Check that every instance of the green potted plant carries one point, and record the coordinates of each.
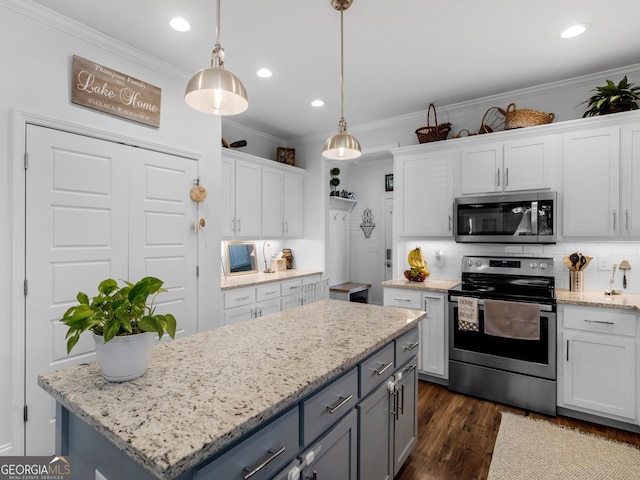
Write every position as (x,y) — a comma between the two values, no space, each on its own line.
(335,181)
(123,322)
(612,98)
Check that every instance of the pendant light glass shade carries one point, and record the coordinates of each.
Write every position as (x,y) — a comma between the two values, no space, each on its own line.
(341,146)
(215,90)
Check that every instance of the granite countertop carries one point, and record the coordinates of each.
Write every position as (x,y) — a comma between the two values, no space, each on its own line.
(429,284)
(204,391)
(253,279)
(623,301)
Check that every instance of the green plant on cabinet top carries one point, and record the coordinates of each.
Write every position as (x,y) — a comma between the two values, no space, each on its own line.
(613,98)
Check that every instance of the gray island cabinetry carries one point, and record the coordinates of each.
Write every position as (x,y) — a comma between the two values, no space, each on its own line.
(325,390)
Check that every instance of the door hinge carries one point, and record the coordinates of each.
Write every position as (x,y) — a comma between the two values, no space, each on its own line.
(26,160)
(25,414)
(26,287)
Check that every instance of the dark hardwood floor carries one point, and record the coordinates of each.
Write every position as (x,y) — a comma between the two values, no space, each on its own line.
(456,435)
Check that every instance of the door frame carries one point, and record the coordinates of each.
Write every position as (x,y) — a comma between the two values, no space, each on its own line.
(18,138)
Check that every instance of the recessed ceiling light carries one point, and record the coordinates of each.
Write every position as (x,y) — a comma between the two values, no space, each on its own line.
(264,73)
(575,30)
(317,103)
(180,24)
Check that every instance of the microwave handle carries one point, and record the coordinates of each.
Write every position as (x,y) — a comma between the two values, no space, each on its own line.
(534,218)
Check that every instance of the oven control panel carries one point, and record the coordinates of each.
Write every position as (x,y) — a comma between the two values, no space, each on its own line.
(534,266)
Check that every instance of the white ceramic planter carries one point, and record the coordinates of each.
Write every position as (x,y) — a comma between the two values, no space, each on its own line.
(124,358)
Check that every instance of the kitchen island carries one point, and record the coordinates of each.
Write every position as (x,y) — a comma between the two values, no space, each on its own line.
(204,393)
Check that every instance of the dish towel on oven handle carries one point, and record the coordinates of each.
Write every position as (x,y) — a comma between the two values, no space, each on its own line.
(468,314)
(517,320)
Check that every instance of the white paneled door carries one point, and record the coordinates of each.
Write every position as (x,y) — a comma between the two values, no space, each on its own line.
(97,209)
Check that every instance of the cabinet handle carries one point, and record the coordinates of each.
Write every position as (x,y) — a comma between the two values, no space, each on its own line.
(410,369)
(449,222)
(402,299)
(411,346)
(341,402)
(243,298)
(381,370)
(567,350)
(626,220)
(498,177)
(402,399)
(271,293)
(239,225)
(506,177)
(255,470)
(286,227)
(602,322)
(614,220)
(394,405)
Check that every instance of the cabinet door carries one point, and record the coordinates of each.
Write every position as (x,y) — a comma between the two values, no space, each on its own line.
(433,337)
(600,373)
(265,308)
(374,423)
(239,314)
(272,191)
(293,205)
(591,175)
(480,169)
(227,198)
(336,452)
(247,198)
(630,177)
(405,432)
(528,164)
(425,192)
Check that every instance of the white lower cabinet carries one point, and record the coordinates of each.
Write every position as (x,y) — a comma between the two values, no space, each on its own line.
(599,356)
(244,304)
(434,347)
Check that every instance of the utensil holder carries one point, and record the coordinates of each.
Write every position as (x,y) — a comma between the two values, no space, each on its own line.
(576,281)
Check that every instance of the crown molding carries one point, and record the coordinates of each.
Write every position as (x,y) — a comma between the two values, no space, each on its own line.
(80,31)
(253,132)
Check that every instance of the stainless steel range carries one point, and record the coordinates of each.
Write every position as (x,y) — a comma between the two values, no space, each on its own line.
(502,332)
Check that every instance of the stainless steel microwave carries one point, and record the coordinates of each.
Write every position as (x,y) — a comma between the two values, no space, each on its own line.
(508,218)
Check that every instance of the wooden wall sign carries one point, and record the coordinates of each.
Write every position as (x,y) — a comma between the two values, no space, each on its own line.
(101,88)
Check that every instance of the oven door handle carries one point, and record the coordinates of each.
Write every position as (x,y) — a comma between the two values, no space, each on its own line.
(543,307)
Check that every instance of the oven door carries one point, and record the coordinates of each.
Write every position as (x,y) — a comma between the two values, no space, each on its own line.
(529,357)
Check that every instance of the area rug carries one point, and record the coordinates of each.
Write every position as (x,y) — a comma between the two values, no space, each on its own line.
(536,449)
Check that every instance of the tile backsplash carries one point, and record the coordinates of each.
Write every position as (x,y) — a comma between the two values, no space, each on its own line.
(605,254)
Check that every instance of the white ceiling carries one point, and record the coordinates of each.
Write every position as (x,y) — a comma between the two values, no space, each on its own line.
(400,55)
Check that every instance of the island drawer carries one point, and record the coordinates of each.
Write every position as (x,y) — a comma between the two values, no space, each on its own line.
(237,298)
(265,452)
(376,369)
(600,320)
(326,407)
(268,292)
(407,346)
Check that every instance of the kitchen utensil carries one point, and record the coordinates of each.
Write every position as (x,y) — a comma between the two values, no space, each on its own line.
(588,260)
(613,274)
(624,266)
(567,262)
(582,262)
(575,258)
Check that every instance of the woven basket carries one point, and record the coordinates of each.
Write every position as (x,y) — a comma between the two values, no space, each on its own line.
(433,133)
(467,134)
(525,118)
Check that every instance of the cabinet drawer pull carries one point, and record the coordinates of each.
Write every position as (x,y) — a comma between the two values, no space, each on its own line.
(271,293)
(246,297)
(410,369)
(411,346)
(602,322)
(381,370)
(402,299)
(342,401)
(252,472)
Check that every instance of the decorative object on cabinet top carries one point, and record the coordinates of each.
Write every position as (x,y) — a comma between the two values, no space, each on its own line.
(237,144)
(525,118)
(492,120)
(612,98)
(435,132)
(286,155)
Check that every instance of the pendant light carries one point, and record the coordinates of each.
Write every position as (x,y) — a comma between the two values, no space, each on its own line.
(214,89)
(341,146)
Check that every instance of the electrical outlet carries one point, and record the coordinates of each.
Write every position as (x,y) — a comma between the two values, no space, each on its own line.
(439,257)
(604,263)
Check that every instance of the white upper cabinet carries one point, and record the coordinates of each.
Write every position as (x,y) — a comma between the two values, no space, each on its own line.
(424,194)
(630,212)
(260,198)
(517,165)
(591,179)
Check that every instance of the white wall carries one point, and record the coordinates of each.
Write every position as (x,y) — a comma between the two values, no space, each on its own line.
(36,78)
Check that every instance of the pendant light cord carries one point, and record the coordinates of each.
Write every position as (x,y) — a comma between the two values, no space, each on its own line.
(217,56)
(342,63)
